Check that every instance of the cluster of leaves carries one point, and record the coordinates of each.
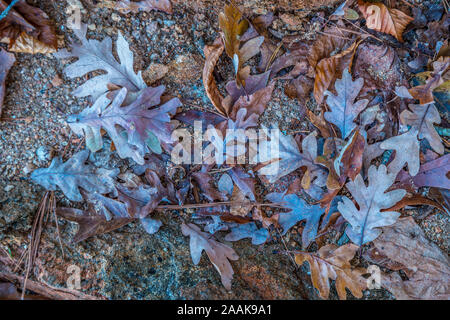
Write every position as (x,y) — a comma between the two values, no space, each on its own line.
(356,127)
(26,29)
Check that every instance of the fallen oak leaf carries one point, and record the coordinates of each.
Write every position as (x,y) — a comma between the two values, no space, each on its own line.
(233,28)
(424,93)
(350,160)
(204,181)
(426,266)
(285,157)
(434,173)
(365,221)
(92,223)
(406,145)
(421,118)
(407,149)
(75,173)
(383,19)
(414,200)
(135,129)
(299,210)
(217,252)
(248,230)
(95,55)
(343,108)
(334,262)
(328,69)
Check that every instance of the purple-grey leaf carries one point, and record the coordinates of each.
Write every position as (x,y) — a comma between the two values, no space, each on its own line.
(129,127)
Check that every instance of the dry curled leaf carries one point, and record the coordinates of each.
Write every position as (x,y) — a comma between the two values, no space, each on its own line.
(212,55)
(332,262)
(27,29)
(6,62)
(233,28)
(329,69)
(381,18)
(217,252)
(349,162)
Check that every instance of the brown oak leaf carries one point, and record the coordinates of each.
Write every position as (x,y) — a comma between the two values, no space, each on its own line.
(381,18)
(334,262)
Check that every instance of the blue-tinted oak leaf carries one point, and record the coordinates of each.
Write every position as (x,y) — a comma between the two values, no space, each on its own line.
(344,109)
(365,221)
(248,230)
(69,176)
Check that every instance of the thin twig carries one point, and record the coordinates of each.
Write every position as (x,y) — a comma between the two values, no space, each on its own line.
(8,8)
(217,204)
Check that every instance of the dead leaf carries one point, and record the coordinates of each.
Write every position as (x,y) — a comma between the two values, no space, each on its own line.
(212,55)
(334,262)
(204,181)
(331,68)
(137,129)
(426,266)
(421,118)
(74,173)
(434,173)
(233,28)
(6,62)
(349,162)
(27,29)
(344,109)
(424,93)
(97,55)
(365,221)
(217,252)
(381,18)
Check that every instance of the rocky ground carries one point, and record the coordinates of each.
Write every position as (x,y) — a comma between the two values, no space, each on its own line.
(129,263)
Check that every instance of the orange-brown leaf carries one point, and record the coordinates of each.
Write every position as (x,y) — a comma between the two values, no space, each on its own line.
(334,262)
(212,55)
(381,18)
(329,69)
(27,22)
(233,28)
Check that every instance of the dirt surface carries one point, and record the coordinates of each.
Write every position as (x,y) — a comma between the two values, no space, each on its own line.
(129,263)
